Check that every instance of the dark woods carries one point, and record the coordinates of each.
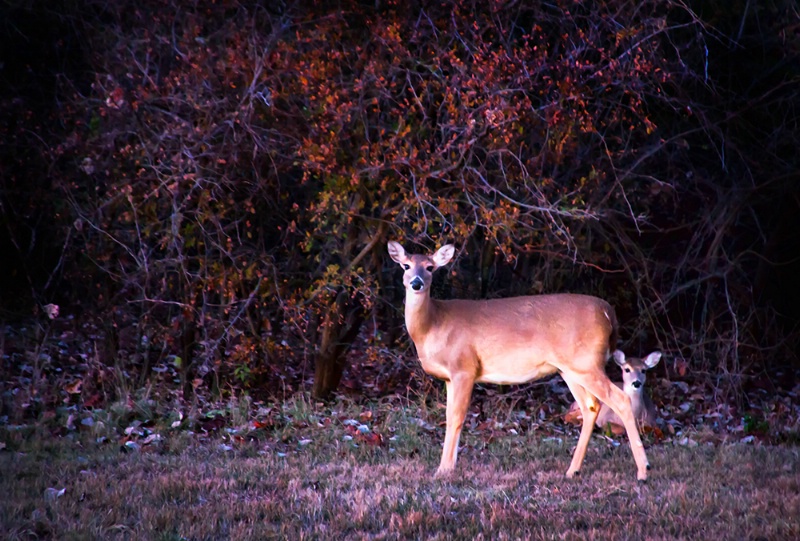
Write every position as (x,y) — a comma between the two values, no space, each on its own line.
(213,185)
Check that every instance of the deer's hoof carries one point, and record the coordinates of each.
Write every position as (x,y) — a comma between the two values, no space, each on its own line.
(443,473)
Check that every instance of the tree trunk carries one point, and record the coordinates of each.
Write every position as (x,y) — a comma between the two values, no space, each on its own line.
(188,341)
(342,322)
(340,327)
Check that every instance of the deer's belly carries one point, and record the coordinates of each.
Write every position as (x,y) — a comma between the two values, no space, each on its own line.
(514,369)
(511,377)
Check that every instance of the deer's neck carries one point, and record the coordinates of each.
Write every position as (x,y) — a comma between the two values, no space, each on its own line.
(420,315)
(637,401)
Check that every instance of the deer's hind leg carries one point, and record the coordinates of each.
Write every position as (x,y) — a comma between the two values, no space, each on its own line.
(615,398)
(589,407)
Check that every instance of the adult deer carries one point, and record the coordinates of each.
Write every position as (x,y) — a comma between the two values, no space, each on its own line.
(633,379)
(513,340)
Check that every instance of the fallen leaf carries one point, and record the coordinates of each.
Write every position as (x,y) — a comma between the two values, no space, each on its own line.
(152,438)
(129,446)
(687,442)
(656,432)
(372,439)
(74,387)
(682,385)
(53,493)
(51,310)
(133,429)
(212,424)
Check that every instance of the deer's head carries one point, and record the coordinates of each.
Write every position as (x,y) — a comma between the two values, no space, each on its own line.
(633,370)
(418,268)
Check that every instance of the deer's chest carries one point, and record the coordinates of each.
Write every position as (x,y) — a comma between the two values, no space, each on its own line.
(439,359)
(432,364)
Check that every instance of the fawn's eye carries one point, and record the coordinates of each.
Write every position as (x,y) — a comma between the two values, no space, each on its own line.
(406,266)
(627,370)
(429,268)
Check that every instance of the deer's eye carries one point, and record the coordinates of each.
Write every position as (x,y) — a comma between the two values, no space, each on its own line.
(406,266)
(627,370)
(429,268)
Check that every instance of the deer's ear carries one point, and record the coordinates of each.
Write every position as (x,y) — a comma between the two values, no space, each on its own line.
(396,252)
(619,357)
(443,255)
(651,360)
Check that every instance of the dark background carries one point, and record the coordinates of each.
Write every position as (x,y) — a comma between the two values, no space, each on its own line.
(222,179)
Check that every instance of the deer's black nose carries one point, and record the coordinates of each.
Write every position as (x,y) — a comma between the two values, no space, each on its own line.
(417,283)
(637,384)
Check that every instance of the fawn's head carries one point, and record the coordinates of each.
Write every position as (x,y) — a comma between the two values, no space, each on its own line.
(418,268)
(633,370)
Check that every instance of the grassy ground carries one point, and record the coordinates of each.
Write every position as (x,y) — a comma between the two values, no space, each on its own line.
(322,473)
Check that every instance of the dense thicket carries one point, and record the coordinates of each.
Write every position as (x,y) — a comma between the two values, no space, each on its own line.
(218,180)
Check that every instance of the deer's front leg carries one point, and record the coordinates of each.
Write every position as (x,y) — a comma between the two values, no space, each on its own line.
(459,392)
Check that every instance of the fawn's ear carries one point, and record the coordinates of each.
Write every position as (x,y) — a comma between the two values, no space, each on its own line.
(396,252)
(619,357)
(443,255)
(651,360)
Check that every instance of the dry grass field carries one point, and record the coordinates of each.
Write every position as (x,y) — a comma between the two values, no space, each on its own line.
(330,473)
